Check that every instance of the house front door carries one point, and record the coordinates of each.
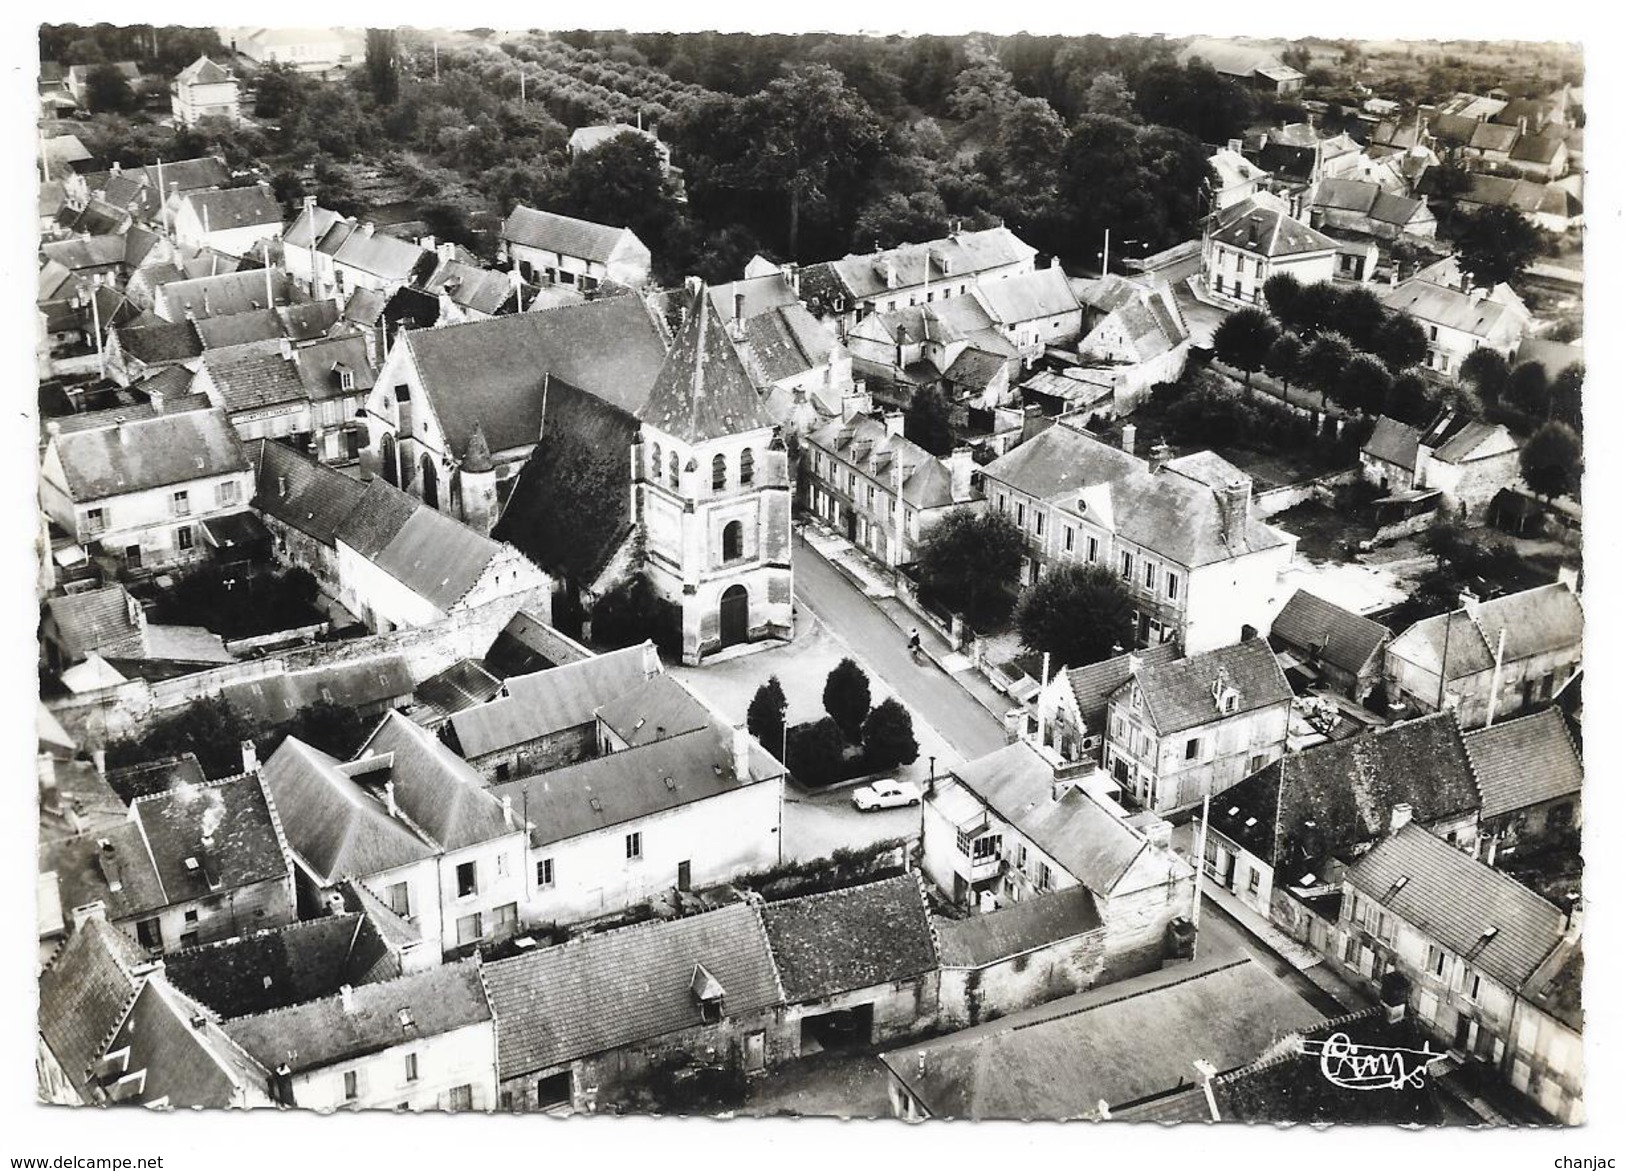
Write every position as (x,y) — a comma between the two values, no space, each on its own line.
(682,875)
(755,1050)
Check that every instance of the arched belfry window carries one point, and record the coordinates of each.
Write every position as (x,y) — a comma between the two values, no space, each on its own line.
(674,469)
(719,473)
(747,467)
(733,541)
(654,460)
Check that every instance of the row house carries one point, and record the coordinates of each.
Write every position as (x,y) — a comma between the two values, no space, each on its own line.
(1462,462)
(1019,823)
(1182,731)
(1362,208)
(1281,839)
(332,256)
(1201,567)
(224,294)
(881,489)
(148,194)
(409,821)
(1489,660)
(1246,244)
(1071,707)
(1458,315)
(238,221)
(1493,968)
(1532,778)
(193,864)
(909,275)
(545,247)
(143,491)
(307,395)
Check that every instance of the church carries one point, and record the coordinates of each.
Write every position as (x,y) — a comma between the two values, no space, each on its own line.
(607,440)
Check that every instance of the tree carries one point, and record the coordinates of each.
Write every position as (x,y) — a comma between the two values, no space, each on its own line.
(279,92)
(107,91)
(1408,399)
(1194,99)
(1077,614)
(928,421)
(1243,340)
(1358,315)
(969,561)
(765,716)
(382,68)
(1401,342)
(1317,307)
(1285,359)
(1283,293)
(1529,390)
(817,753)
(898,218)
(846,698)
(1109,94)
(620,182)
(1551,461)
(327,727)
(210,728)
(1363,384)
(1487,372)
(888,737)
(1496,244)
(1323,363)
(1567,394)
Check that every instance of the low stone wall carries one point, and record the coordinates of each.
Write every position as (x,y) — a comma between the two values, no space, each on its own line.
(1275,500)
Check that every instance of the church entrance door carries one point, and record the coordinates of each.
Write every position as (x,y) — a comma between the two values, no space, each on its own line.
(735,615)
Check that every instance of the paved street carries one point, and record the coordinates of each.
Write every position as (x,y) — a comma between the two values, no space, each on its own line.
(818,824)
(882,648)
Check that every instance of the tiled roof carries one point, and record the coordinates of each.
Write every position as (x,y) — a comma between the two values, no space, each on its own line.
(312,498)
(494,372)
(149,453)
(320,1033)
(1095,846)
(601,992)
(283,966)
(1472,440)
(1393,442)
(1536,621)
(1538,148)
(222,294)
(239,330)
(785,342)
(702,391)
(84,994)
(275,699)
(357,246)
(203,71)
(1254,227)
(635,783)
(846,940)
(981,940)
(563,234)
(1335,635)
(654,709)
(1524,762)
(1555,986)
(1028,296)
(1169,514)
(84,255)
(249,379)
(975,368)
(186,1059)
(1181,695)
(1336,797)
(963,254)
(1368,199)
(1455,899)
(482,290)
(462,685)
(160,342)
(107,621)
(236,207)
(1093,685)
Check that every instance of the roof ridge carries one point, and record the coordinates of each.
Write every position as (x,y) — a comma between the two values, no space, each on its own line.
(371,986)
(279,929)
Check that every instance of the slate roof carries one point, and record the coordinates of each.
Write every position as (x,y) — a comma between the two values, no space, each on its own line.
(1027,296)
(784,342)
(653,710)
(310,497)
(482,290)
(236,207)
(1334,798)
(600,992)
(203,71)
(443,796)
(864,442)
(981,940)
(1064,1059)
(1179,695)
(1455,899)
(493,372)
(563,234)
(624,787)
(545,702)
(462,685)
(276,699)
(1555,986)
(107,621)
(1368,199)
(96,252)
(761,295)
(149,453)
(1232,58)
(1094,845)
(846,940)
(1257,227)
(1537,148)
(1524,762)
(239,330)
(974,368)
(1170,514)
(356,246)
(1337,636)
(702,391)
(222,294)
(1246,814)
(84,994)
(186,1058)
(1393,442)
(1092,686)
(1536,621)
(962,254)
(1151,321)
(1482,316)
(319,365)
(1468,442)
(283,966)
(321,1033)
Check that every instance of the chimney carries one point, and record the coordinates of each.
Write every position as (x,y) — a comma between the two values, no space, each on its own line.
(1399,817)
(1233,146)
(1158,456)
(507,810)
(739,306)
(1568,575)
(282,487)
(792,273)
(1206,1071)
(389,799)
(894,422)
(960,466)
(651,660)
(347,998)
(1234,498)
(1469,603)
(117,170)
(84,914)
(122,429)
(98,757)
(286,347)
(50,797)
(367,228)
(855,404)
(1572,918)
(282,1085)
(1129,432)
(741,753)
(251,758)
(891,273)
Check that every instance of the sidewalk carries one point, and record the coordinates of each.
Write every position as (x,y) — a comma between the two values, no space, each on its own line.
(852,564)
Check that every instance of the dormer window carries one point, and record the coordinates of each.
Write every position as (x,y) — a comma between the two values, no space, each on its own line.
(708,994)
(346,376)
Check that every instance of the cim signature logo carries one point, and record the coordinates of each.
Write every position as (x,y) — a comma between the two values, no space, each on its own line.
(1370,1067)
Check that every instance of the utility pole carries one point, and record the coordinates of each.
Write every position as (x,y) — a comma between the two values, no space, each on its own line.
(437,62)
(270,293)
(96,323)
(1106,254)
(1201,864)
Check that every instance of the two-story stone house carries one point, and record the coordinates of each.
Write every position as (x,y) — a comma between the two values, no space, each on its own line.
(1200,566)
(1458,315)
(1181,731)
(1246,244)
(1472,942)
(1020,822)
(412,823)
(140,491)
(558,249)
(881,489)
(236,221)
(1532,778)
(1071,707)
(205,90)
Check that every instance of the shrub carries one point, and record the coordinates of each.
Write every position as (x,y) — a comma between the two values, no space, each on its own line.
(846,698)
(765,716)
(632,612)
(888,737)
(817,753)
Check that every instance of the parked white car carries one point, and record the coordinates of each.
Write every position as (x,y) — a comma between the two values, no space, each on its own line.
(886,795)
